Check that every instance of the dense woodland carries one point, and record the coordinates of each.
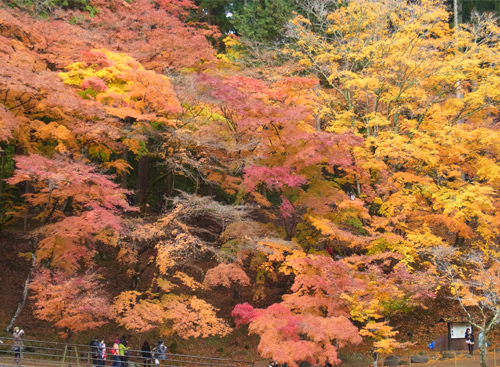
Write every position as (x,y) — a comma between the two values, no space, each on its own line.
(344,152)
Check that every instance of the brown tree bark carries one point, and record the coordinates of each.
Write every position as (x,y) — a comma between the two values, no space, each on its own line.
(142,182)
(123,181)
(24,295)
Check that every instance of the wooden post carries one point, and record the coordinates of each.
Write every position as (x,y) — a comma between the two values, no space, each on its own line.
(455,353)
(77,357)
(449,336)
(64,355)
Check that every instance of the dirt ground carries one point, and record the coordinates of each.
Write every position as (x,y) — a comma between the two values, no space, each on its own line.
(493,360)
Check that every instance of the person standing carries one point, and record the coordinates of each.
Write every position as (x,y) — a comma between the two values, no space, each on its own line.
(104,355)
(96,350)
(469,339)
(480,338)
(17,346)
(123,352)
(160,351)
(115,351)
(146,353)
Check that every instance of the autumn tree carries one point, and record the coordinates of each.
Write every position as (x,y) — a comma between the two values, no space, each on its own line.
(301,165)
(72,304)
(42,123)
(225,275)
(155,33)
(328,296)
(77,205)
(302,336)
(177,243)
(394,81)
(387,288)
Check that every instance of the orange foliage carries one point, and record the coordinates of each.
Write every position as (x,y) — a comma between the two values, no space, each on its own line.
(183,315)
(72,304)
(225,275)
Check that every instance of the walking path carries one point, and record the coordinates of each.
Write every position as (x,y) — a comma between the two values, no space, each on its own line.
(466,362)
(461,361)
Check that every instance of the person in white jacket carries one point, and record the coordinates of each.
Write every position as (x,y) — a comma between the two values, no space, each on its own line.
(17,346)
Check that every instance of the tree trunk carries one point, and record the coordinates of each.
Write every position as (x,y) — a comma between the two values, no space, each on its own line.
(29,189)
(142,182)
(24,296)
(482,357)
(482,350)
(123,179)
(375,359)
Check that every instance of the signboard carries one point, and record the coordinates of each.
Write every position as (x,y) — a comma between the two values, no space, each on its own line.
(458,329)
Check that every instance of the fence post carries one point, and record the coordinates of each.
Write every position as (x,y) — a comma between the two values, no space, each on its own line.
(64,355)
(77,357)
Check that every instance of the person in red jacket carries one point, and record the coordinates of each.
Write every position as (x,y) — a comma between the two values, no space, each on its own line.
(116,353)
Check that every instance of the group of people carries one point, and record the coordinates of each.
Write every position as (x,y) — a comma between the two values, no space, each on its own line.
(98,350)
(158,353)
(469,340)
(120,352)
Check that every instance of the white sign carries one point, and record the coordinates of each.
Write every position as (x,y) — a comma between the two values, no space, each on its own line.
(458,330)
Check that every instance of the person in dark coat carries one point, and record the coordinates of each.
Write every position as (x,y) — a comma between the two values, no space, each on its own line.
(146,353)
(96,350)
(469,339)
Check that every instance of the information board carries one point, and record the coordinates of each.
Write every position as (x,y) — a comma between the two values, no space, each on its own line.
(458,329)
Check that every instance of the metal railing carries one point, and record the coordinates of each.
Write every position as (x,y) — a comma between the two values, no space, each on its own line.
(44,353)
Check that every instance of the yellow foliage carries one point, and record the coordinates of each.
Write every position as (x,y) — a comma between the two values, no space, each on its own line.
(125,87)
(165,285)
(234,52)
(188,281)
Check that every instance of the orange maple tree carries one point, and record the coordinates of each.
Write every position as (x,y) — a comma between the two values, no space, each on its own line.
(73,304)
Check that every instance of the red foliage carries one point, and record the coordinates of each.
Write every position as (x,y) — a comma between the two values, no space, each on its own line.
(95,83)
(286,208)
(275,123)
(275,177)
(8,123)
(153,33)
(71,229)
(243,314)
(289,336)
